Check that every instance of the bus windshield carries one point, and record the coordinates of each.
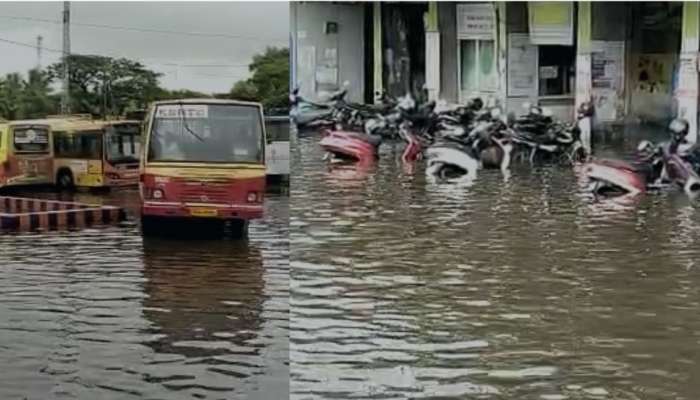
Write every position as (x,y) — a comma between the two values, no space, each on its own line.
(31,139)
(123,143)
(207,133)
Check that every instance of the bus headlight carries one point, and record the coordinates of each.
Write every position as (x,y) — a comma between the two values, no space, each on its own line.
(252,197)
(157,194)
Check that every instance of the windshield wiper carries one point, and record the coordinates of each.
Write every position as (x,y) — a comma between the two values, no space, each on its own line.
(187,127)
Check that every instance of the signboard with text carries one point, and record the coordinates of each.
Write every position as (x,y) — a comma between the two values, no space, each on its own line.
(179,110)
(475,21)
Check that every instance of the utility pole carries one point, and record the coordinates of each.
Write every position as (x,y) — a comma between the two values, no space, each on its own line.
(39,39)
(65,99)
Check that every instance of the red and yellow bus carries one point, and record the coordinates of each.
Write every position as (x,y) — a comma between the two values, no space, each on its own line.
(203,159)
(70,151)
(25,153)
(95,153)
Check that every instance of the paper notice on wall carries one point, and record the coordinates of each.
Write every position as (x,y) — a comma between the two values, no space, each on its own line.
(476,21)
(607,64)
(687,86)
(522,66)
(549,72)
(306,60)
(330,57)
(327,75)
(605,104)
(607,79)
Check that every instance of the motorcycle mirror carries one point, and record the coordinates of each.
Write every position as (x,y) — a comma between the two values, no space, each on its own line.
(678,126)
(644,145)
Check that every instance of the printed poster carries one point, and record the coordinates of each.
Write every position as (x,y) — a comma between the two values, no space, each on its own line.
(475,21)
(522,66)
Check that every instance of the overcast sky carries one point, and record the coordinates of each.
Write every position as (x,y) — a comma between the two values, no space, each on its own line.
(258,24)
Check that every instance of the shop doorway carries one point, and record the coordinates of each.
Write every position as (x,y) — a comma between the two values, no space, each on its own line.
(655,44)
(403,45)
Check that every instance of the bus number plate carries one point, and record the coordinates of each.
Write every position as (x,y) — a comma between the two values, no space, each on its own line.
(203,212)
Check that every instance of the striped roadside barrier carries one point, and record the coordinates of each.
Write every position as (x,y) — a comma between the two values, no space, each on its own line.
(18,214)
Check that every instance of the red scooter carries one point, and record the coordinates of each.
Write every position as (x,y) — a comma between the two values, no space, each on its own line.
(342,145)
(657,165)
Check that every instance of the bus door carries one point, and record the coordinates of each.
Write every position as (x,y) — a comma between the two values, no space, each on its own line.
(79,157)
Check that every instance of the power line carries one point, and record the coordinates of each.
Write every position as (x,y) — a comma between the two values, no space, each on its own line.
(172,64)
(148,30)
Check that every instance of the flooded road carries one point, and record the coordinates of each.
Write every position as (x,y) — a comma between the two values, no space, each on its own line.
(519,289)
(104,314)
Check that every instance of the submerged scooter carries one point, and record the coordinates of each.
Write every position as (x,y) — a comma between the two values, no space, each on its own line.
(656,165)
(307,114)
(537,132)
(677,168)
(609,177)
(343,145)
(457,158)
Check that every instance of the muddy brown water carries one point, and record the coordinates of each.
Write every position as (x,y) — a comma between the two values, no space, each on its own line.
(525,288)
(102,313)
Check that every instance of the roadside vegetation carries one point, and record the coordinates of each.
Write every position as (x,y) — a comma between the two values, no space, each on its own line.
(104,86)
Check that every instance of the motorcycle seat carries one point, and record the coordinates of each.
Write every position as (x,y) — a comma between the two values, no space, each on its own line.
(619,164)
(374,140)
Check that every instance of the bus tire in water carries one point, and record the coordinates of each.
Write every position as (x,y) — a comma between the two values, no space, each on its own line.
(149,226)
(239,228)
(64,180)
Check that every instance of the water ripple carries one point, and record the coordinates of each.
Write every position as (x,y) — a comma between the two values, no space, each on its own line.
(103,313)
(524,288)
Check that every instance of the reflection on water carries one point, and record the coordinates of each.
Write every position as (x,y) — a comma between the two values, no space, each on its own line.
(202,311)
(523,288)
(102,313)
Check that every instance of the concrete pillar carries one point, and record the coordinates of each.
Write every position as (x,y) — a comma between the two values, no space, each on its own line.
(432,52)
(584,88)
(687,89)
(502,52)
(377,46)
(293,46)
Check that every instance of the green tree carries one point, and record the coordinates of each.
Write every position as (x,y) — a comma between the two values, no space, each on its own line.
(11,96)
(37,98)
(107,86)
(269,82)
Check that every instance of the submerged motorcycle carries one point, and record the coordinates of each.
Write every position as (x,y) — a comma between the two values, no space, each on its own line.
(617,177)
(656,166)
(307,114)
(346,145)
(456,156)
(537,133)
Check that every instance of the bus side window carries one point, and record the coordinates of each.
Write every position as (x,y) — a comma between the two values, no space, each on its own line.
(61,144)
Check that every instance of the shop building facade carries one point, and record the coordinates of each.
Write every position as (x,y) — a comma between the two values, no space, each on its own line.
(635,61)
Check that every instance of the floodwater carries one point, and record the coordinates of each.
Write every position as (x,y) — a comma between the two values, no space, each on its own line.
(525,288)
(104,314)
